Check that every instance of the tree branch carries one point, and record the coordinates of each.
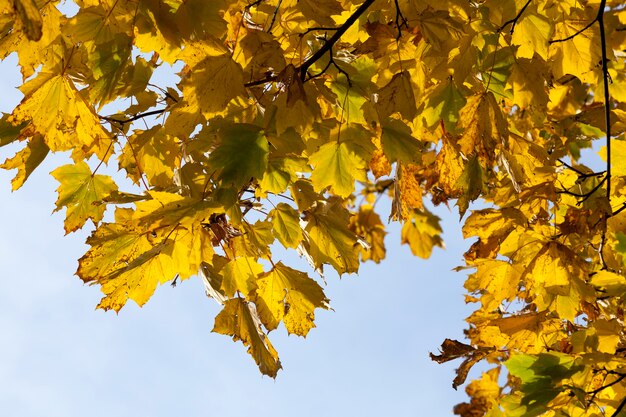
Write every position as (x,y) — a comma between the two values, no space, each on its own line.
(333,39)
(133,118)
(303,69)
(607,104)
(269,29)
(514,20)
(619,407)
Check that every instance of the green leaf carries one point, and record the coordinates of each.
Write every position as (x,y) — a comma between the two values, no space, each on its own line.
(398,142)
(241,155)
(81,192)
(337,165)
(286,225)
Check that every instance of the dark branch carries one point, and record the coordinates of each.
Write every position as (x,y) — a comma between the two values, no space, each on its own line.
(599,18)
(514,20)
(607,104)
(327,47)
(597,390)
(581,174)
(575,34)
(400,20)
(619,408)
(133,118)
(619,210)
(584,196)
(333,39)
(269,28)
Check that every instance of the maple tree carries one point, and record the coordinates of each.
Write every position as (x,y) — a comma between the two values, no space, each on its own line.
(292,118)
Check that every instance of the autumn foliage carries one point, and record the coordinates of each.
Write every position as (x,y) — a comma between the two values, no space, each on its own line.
(292,118)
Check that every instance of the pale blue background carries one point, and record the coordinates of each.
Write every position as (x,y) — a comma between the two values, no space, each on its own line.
(60,357)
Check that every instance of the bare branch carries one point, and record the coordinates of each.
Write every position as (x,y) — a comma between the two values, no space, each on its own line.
(514,20)
(327,47)
(133,118)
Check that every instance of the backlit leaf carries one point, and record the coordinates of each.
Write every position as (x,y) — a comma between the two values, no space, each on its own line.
(82,193)
(239,320)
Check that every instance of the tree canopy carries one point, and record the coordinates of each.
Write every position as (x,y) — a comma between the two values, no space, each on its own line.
(291,119)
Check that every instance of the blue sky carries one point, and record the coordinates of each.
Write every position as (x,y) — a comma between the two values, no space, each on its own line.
(61,357)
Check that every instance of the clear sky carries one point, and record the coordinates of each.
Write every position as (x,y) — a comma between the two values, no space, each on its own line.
(61,357)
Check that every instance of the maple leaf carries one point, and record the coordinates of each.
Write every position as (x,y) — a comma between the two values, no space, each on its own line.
(398,143)
(239,320)
(30,18)
(241,154)
(329,239)
(337,165)
(288,295)
(286,225)
(422,233)
(214,82)
(27,160)
(82,193)
(55,110)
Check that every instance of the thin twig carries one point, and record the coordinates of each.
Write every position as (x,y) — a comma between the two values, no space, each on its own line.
(584,196)
(514,20)
(578,32)
(269,28)
(619,407)
(338,34)
(400,20)
(133,118)
(303,69)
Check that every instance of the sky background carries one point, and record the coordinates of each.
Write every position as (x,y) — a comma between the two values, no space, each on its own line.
(61,357)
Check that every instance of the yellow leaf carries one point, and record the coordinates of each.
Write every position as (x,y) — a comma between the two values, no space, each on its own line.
(496,281)
(81,192)
(397,97)
(15,36)
(27,160)
(578,56)
(57,111)
(213,83)
(291,296)
(483,128)
(255,240)
(30,17)
(319,11)
(239,320)
(240,275)
(422,232)
(155,30)
(286,225)
(532,32)
(152,153)
(526,80)
(126,261)
(443,103)
(139,279)
(349,101)
(408,194)
(337,165)
(367,225)
(329,239)
(280,173)
(618,154)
